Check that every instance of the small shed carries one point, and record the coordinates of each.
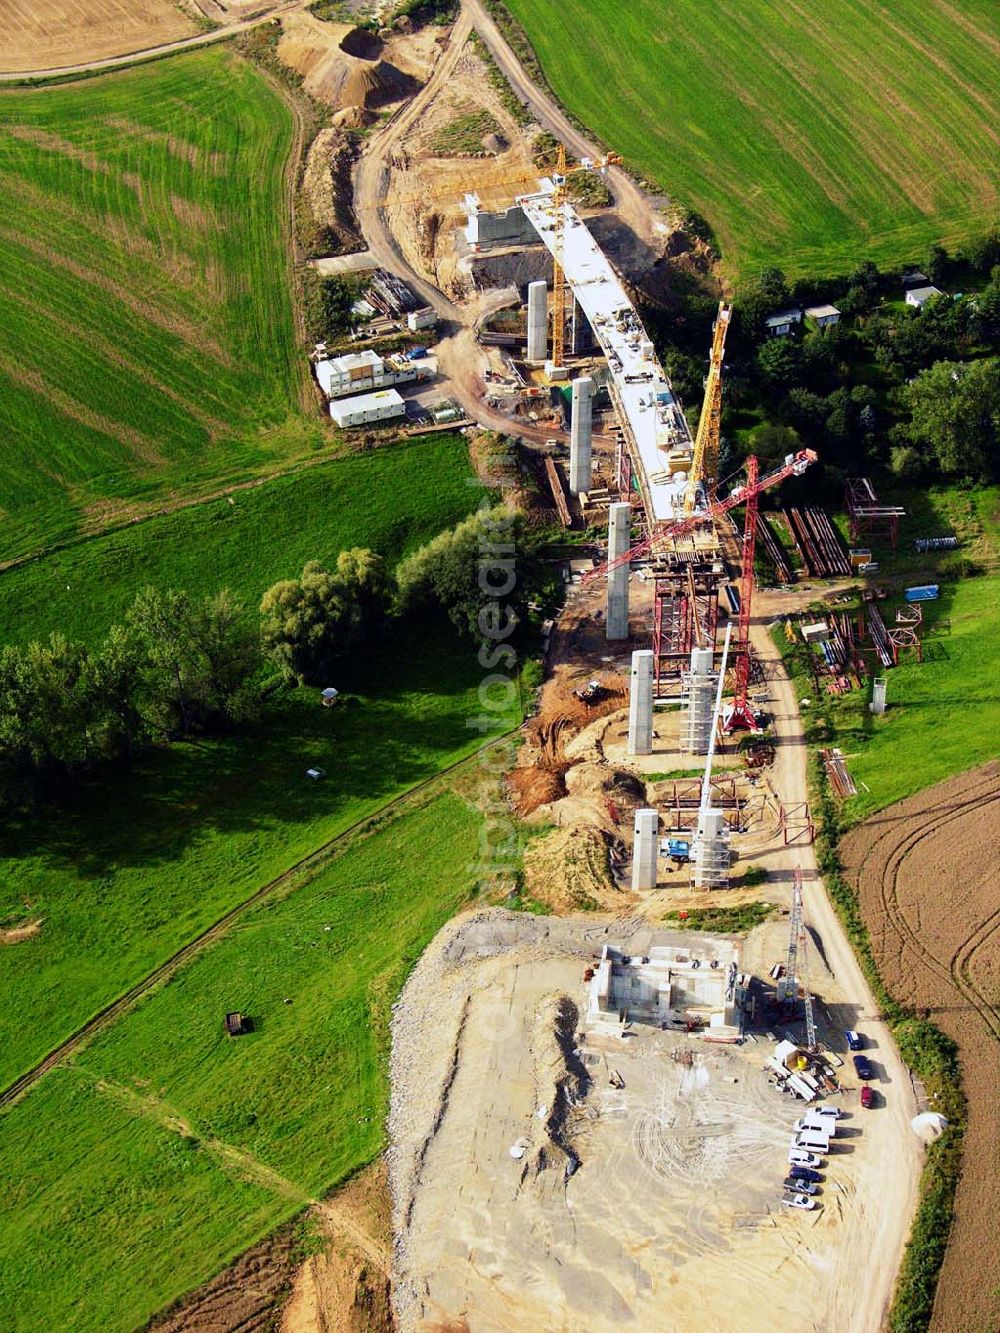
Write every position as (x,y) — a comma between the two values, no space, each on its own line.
(919,296)
(781,322)
(822,316)
(329,696)
(914,278)
(237,1025)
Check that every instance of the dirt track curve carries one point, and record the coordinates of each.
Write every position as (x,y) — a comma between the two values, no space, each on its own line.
(926,871)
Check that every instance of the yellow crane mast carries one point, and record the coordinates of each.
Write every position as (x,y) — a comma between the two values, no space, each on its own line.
(705,459)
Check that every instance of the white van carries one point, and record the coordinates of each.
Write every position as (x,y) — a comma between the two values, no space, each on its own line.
(824,1124)
(813,1140)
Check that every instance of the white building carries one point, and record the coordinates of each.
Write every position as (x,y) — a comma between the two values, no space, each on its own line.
(822,316)
(919,296)
(358,371)
(780,323)
(383,405)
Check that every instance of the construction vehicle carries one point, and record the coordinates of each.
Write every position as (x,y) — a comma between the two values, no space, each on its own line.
(590,693)
(705,457)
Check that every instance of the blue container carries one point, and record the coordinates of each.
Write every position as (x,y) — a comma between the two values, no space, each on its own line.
(926,592)
(677,847)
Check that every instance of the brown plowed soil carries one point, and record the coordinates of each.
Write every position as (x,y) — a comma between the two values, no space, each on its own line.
(47,33)
(926,870)
(341,1285)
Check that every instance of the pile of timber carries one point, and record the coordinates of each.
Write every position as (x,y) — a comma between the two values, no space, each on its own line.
(877,632)
(558,494)
(836,770)
(818,543)
(773,549)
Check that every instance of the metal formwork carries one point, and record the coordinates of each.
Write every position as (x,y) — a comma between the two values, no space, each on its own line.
(682,621)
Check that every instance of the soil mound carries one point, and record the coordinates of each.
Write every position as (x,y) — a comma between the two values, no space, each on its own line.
(925,871)
(323,53)
(362,43)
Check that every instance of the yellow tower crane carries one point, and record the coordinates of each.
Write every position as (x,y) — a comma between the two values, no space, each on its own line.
(705,459)
(560,179)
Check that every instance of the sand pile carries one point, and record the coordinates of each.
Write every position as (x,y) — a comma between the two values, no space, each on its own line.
(328,56)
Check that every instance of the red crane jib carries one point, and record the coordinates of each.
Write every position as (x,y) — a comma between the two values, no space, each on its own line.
(746,494)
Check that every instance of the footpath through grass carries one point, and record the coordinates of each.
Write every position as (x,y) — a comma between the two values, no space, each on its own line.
(167,1148)
(147,344)
(134,863)
(810,136)
(392,500)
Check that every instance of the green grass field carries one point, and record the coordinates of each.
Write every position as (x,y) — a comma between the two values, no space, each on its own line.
(147,344)
(943,715)
(167,1148)
(136,862)
(810,136)
(392,500)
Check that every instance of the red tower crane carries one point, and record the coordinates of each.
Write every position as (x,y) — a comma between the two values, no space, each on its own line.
(740,714)
(793,466)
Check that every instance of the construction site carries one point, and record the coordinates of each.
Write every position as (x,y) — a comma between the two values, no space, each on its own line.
(594,1114)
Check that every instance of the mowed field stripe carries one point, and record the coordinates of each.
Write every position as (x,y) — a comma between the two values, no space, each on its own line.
(810,136)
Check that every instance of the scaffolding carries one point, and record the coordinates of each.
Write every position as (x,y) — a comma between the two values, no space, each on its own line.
(710,849)
(685,615)
(866,516)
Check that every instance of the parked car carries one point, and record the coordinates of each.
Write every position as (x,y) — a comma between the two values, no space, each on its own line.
(800,1186)
(820,1124)
(855,1041)
(867,1097)
(798,1157)
(798,1201)
(862,1067)
(803,1173)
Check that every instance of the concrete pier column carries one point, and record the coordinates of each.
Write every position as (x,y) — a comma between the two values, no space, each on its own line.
(645,849)
(619,537)
(579,435)
(538,321)
(640,704)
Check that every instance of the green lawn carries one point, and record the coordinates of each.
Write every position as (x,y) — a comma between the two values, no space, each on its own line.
(147,343)
(943,715)
(167,1148)
(808,135)
(134,863)
(392,500)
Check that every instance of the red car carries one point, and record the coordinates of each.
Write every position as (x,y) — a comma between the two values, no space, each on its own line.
(867,1097)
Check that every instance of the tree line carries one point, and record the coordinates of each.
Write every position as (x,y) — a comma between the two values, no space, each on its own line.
(175,667)
(916,393)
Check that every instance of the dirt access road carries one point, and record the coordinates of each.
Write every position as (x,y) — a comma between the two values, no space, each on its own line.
(860,1308)
(925,870)
(132,40)
(459,357)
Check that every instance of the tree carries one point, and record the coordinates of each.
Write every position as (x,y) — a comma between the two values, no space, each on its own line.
(955,410)
(771,444)
(195,661)
(45,706)
(762,296)
(938,264)
(780,363)
(484,564)
(309,623)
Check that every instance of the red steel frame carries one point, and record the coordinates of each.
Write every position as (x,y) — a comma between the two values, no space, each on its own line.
(742,714)
(866,517)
